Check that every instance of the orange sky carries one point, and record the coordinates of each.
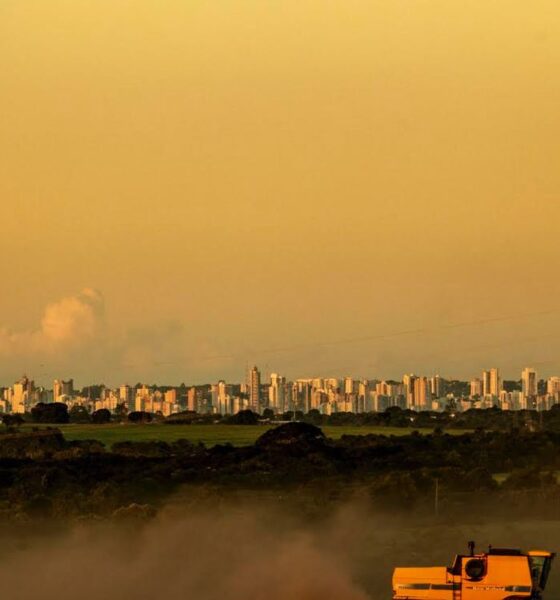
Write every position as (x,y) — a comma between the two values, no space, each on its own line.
(287,182)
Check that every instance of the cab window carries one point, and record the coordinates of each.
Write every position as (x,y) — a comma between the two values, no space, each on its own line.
(540,568)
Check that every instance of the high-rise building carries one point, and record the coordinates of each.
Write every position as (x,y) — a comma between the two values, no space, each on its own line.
(553,386)
(422,395)
(382,388)
(302,394)
(170,396)
(192,400)
(485,383)
(62,388)
(348,385)
(277,393)
(436,386)
(254,384)
(126,396)
(529,383)
(143,399)
(57,390)
(221,397)
(318,383)
(495,382)
(363,396)
(21,394)
(408,382)
(491,383)
(332,383)
(476,388)
(68,388)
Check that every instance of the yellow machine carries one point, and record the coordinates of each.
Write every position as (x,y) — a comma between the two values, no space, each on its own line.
(499,574)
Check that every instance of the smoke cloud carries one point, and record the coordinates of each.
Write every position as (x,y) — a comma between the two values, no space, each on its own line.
(70,322)
(247,553)
(73,319)
(73,339)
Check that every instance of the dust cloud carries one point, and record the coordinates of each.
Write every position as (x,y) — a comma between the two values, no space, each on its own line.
(244,553)
(203,557)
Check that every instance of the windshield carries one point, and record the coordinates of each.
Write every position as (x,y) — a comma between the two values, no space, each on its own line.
(540,568)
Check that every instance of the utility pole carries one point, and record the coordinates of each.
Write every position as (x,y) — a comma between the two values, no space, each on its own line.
(436,499)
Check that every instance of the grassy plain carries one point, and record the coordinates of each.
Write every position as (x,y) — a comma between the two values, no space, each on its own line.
(210,435)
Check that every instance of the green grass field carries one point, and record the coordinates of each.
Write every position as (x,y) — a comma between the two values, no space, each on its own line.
(238,435)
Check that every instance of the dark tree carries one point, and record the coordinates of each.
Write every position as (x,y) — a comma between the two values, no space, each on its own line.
(101,416)
(268,414)
(79,414)
(14,420)
(289,415)
(314,417)
(139,416)
(121,412)
(244,417)
(55,412)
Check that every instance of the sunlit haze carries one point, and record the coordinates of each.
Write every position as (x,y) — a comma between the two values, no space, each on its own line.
(357,187)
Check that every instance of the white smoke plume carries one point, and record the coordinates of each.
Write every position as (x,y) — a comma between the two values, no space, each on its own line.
(66,323)
(73,318)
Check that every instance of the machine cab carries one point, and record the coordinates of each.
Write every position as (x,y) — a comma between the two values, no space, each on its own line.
(540,562)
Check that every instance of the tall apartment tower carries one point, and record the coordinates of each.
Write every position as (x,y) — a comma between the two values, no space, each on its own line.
(192,400)
(126,396)
(254,384)
(277,393)
(495,382)
(422,395)
(553,385)
(491,383)
(57,390)
(67,387)
(476,388)
(221,397)
(348,385)
(408,382)
(21,395)
(62,388)
(436,386)
(529,383)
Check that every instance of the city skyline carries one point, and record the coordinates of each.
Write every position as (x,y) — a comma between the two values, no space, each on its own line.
(279,395)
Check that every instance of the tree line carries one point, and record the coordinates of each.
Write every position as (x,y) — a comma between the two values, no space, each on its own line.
(493,419)
(44,475)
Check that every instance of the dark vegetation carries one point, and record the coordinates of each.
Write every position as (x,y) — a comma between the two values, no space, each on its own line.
(491,419)
(52,412)
(42,474)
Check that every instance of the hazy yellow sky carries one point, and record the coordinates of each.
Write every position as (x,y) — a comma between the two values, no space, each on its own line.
(285,182)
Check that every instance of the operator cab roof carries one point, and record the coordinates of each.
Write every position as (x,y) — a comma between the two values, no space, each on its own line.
(505,551)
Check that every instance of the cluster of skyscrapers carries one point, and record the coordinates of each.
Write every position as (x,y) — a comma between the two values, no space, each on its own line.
(327,395)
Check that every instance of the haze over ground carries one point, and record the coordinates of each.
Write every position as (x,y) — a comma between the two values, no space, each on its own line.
(247,552)
(226,179)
